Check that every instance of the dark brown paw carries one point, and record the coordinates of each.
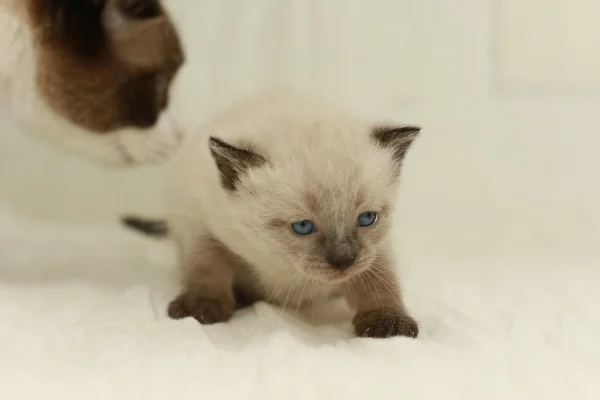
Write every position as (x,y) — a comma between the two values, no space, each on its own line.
(384,323)
(204,310)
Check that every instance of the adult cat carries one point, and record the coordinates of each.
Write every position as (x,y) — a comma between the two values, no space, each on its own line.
(91,76)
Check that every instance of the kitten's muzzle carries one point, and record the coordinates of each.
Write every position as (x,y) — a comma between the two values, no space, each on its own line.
(341,261)
(341,252)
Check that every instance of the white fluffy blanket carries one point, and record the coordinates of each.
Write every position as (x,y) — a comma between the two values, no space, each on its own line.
(82,316)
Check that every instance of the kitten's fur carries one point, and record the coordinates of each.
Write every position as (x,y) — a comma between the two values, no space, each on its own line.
(91,75)
(272,161)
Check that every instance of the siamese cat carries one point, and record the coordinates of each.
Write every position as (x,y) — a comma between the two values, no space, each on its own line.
(91,76)
(285,199)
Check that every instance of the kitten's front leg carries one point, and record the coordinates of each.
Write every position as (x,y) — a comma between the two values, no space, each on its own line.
(380,312)
(208,294)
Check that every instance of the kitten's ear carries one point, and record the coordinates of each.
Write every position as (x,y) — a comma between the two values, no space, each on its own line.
(397,138)
(233,161)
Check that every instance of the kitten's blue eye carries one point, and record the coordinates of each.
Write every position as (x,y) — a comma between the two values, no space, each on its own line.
(366,219)
(304,227)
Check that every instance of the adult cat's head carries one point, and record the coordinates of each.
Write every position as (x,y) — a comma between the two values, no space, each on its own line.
(314,189)
(103,64)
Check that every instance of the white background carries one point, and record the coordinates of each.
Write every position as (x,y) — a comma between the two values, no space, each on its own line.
(498,220)
(506,90)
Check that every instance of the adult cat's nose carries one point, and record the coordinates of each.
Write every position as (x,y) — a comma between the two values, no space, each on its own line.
(341,261)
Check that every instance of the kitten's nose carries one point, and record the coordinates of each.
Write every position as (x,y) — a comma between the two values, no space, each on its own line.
(341,261)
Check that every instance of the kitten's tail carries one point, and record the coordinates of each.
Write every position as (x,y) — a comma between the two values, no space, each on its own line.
(150,227)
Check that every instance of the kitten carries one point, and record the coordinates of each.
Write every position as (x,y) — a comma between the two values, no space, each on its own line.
(286,200)
(92,76)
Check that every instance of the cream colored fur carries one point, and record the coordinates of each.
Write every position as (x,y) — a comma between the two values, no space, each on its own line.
(19,100)
(310,148)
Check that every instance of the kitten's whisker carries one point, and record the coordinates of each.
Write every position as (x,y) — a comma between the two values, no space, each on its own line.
(391,290)
(370,275)
(364,282)
(312,305)
(301,294)
(289,293)
(275,292)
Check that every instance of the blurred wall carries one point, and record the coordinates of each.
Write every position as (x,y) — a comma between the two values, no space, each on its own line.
(506,90)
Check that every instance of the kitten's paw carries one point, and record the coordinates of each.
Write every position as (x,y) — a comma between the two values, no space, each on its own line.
(153,145)
(384,323)
(204,310)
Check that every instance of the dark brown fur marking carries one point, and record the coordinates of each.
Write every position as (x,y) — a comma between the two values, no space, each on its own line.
(384,323)
(138,98)
(397,138)
(212,289)
(243,299)
(141,9)
(206,310)
(233,161)
(341,252)
(99,78)
(74,24)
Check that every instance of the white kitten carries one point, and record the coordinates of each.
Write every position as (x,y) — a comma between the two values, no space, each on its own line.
(91,76)
(284,199)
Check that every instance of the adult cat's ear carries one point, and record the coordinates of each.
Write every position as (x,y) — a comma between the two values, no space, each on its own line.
(397,138)
(140,9)
(141,34)
(233,161)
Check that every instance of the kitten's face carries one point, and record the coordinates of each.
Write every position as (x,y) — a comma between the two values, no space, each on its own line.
(326,213)
(104,64)
(330,232)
